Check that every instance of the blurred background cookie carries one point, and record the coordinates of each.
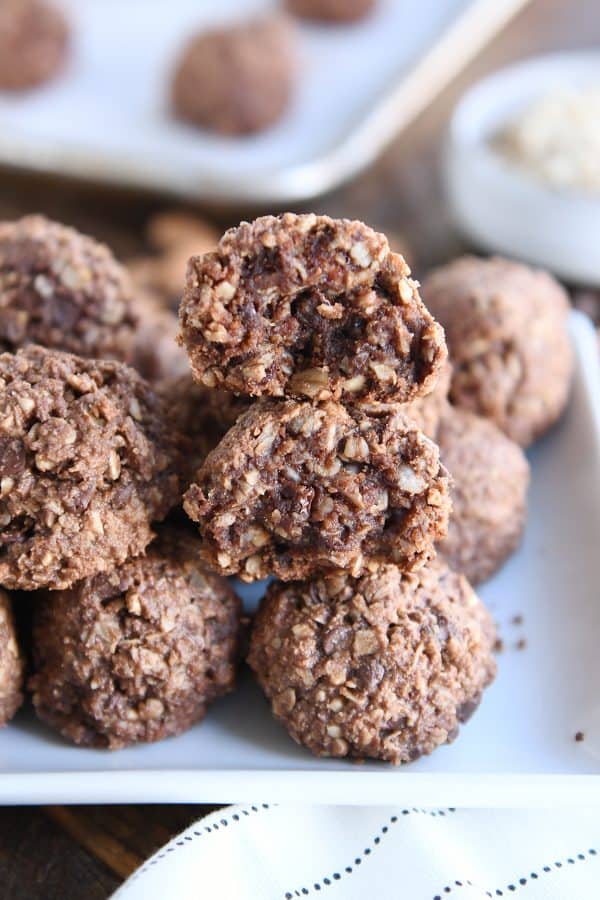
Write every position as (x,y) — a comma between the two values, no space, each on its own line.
(34,39)
(490,477)
(237,79)
(507,332)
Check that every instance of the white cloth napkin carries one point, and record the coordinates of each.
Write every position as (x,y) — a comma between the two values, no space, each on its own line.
(264,852)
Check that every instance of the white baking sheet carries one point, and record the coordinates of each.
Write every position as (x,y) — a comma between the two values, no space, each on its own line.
(107,117)
(519,748)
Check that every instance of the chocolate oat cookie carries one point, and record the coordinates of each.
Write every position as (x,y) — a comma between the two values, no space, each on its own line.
(88,461)
(155,352)
(331,10)
(63,290)
(236,79)
(34,38)
(136,654)
(306,306)
(294,488)
(384,666)
(203,416)
(173,236)
(427,411)
(490,477)
(12,664)
(506,326)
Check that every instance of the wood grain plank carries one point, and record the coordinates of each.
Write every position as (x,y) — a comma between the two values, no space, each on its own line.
(38,861)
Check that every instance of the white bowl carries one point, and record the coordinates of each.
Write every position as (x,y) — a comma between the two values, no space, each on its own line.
(503,208)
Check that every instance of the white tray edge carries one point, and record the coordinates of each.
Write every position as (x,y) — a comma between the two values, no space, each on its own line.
(361,145)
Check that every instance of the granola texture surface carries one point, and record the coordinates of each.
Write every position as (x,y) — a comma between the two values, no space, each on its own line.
(34,38)
(12,662)
(136,654)
(490,477)
(237,79)
(506,327)
(63,290)
(384,666)
(309,307)
(88,460)
(294,488)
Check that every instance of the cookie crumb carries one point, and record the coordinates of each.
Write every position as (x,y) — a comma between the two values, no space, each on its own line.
(517,620)
(579,736)
(498,645)
(521,644)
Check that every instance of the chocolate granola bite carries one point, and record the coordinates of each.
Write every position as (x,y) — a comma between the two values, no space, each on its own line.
(174,236)
(427,411)
(331,10)
(12,664)
(385,666)
(88,461)
(237,79)
(506,326)
(155,352)
(34,38)
(490,477)
(63,290)
(306,306)
(139,653)
(294,488)
(201,415)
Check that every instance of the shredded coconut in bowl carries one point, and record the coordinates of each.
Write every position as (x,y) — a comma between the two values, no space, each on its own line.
(557,139)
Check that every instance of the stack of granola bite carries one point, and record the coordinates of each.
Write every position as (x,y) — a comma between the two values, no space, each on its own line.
(365,644)
(309,443)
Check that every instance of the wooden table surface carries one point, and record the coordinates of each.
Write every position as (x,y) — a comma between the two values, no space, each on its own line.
(70,853)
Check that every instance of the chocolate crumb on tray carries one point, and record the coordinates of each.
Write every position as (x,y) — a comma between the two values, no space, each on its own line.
(34,39)
(385,666)
(307,306)
(507,332)
(237,79)
(12,662)
(88,460)
(136,654)
(294,488)
(579,736)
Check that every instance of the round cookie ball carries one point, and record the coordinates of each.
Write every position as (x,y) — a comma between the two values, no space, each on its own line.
(331,10)
(88,460)
(490,477)
(385,666)
(237,79)
(139,653)
(202,416)
(34,38)
(294,488)
(506,327)
(64,291)
(306,306)
(12,663)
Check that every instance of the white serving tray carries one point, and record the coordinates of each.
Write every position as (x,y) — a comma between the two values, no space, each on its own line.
(107,118)
(519,747)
